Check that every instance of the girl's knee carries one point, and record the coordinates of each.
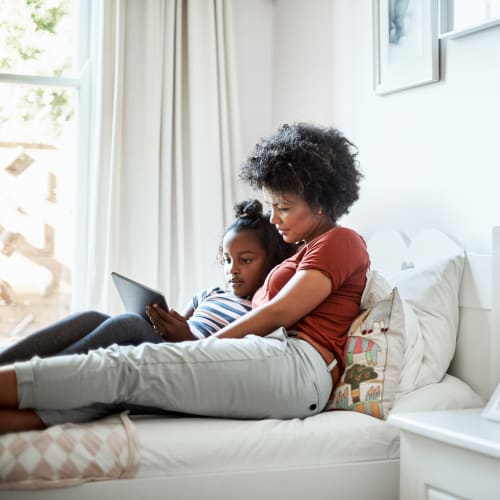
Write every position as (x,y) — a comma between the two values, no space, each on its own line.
(96,316)
(128,318)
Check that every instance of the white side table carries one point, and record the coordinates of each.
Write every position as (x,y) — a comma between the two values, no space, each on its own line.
(445,455)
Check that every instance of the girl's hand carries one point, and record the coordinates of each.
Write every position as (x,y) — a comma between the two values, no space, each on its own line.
(170,325)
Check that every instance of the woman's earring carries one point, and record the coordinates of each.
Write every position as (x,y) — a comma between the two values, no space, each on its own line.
(320,211)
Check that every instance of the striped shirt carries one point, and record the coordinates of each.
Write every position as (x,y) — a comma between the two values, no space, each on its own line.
(214,309)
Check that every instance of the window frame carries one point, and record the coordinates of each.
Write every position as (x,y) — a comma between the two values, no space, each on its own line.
(82,83)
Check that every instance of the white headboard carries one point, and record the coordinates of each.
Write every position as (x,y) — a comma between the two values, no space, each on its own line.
(477,355)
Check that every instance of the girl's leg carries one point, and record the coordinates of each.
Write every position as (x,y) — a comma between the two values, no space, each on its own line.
(54,338)
(254,377)
(123,329)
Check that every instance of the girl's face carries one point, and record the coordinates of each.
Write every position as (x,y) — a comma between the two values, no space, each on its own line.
(294,218)
(245,262)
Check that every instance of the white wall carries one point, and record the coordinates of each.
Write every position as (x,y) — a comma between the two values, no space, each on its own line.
(253,22)
(302,83)
(431,155)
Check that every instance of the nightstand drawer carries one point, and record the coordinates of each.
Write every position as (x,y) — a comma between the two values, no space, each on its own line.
(448,455)
(429,468)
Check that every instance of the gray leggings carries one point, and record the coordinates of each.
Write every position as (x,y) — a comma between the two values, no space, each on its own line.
(81,332)
(276,376)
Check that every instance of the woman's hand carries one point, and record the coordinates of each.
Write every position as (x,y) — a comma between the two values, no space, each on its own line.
(170,325)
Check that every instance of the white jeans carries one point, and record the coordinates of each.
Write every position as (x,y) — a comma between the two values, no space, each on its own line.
(276,376)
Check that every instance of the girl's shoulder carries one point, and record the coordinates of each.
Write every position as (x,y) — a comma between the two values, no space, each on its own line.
(206,293)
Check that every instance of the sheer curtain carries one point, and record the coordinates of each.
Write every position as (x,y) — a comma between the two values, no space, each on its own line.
(165,148)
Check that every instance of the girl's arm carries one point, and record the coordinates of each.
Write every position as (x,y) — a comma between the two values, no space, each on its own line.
(301,295)
(188,310)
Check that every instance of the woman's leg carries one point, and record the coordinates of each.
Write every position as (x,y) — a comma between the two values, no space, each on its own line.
(54,338)
(8,383)
(123,329)
(20,420)
(12,419)
(254,377)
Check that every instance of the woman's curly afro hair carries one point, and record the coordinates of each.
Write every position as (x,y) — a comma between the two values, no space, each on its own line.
(316,163)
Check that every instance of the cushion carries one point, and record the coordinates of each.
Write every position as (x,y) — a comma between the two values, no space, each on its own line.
(450,393)
(377,287)
(69,454)
(418,344)
(432,293)
(430,299)
(373,356)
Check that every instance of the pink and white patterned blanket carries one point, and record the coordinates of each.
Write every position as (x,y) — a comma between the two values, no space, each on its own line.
(69,454)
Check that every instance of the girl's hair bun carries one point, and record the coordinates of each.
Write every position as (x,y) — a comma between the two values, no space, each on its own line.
(248,209)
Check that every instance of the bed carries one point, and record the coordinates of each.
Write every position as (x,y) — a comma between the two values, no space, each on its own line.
(335,454)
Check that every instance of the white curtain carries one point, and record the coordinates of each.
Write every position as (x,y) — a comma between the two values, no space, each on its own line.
(165,148)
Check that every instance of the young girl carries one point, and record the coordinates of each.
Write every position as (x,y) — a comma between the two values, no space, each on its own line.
(251,247)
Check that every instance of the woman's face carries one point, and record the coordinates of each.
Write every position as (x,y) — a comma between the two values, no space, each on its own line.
(294,218)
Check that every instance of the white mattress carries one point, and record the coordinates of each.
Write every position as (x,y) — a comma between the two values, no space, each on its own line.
(180,446)
(177,448)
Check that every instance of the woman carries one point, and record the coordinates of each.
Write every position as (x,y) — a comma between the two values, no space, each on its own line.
(252,368)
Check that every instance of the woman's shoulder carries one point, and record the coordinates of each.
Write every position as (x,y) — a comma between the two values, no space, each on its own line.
(340,234)
(339,244)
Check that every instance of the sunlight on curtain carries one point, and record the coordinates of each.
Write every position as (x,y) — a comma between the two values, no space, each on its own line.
(165,148)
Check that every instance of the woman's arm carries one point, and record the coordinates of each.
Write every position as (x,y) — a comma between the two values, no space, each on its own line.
(301,295)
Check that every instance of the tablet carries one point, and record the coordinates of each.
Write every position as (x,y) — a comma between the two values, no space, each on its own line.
(136,297)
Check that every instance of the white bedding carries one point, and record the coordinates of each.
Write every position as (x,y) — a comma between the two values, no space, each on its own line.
(184,446)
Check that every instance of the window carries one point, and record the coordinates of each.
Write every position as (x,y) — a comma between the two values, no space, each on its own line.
(44,47)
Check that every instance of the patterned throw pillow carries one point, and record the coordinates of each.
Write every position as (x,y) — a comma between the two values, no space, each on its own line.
(373,357)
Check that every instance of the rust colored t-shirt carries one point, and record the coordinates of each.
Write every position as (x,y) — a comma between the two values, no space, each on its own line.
(340,254)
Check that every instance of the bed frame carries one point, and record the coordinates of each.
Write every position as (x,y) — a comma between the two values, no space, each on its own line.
(475,362)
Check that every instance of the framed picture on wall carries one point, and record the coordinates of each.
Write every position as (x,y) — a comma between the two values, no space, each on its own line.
(405,44)
(460,18)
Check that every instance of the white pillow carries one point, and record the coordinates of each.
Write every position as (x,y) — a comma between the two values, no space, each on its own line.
(431,308)
(376,289)
(432,292)
(373,357)
(449,394)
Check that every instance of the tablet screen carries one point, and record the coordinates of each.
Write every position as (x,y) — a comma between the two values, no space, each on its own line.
(136,296)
